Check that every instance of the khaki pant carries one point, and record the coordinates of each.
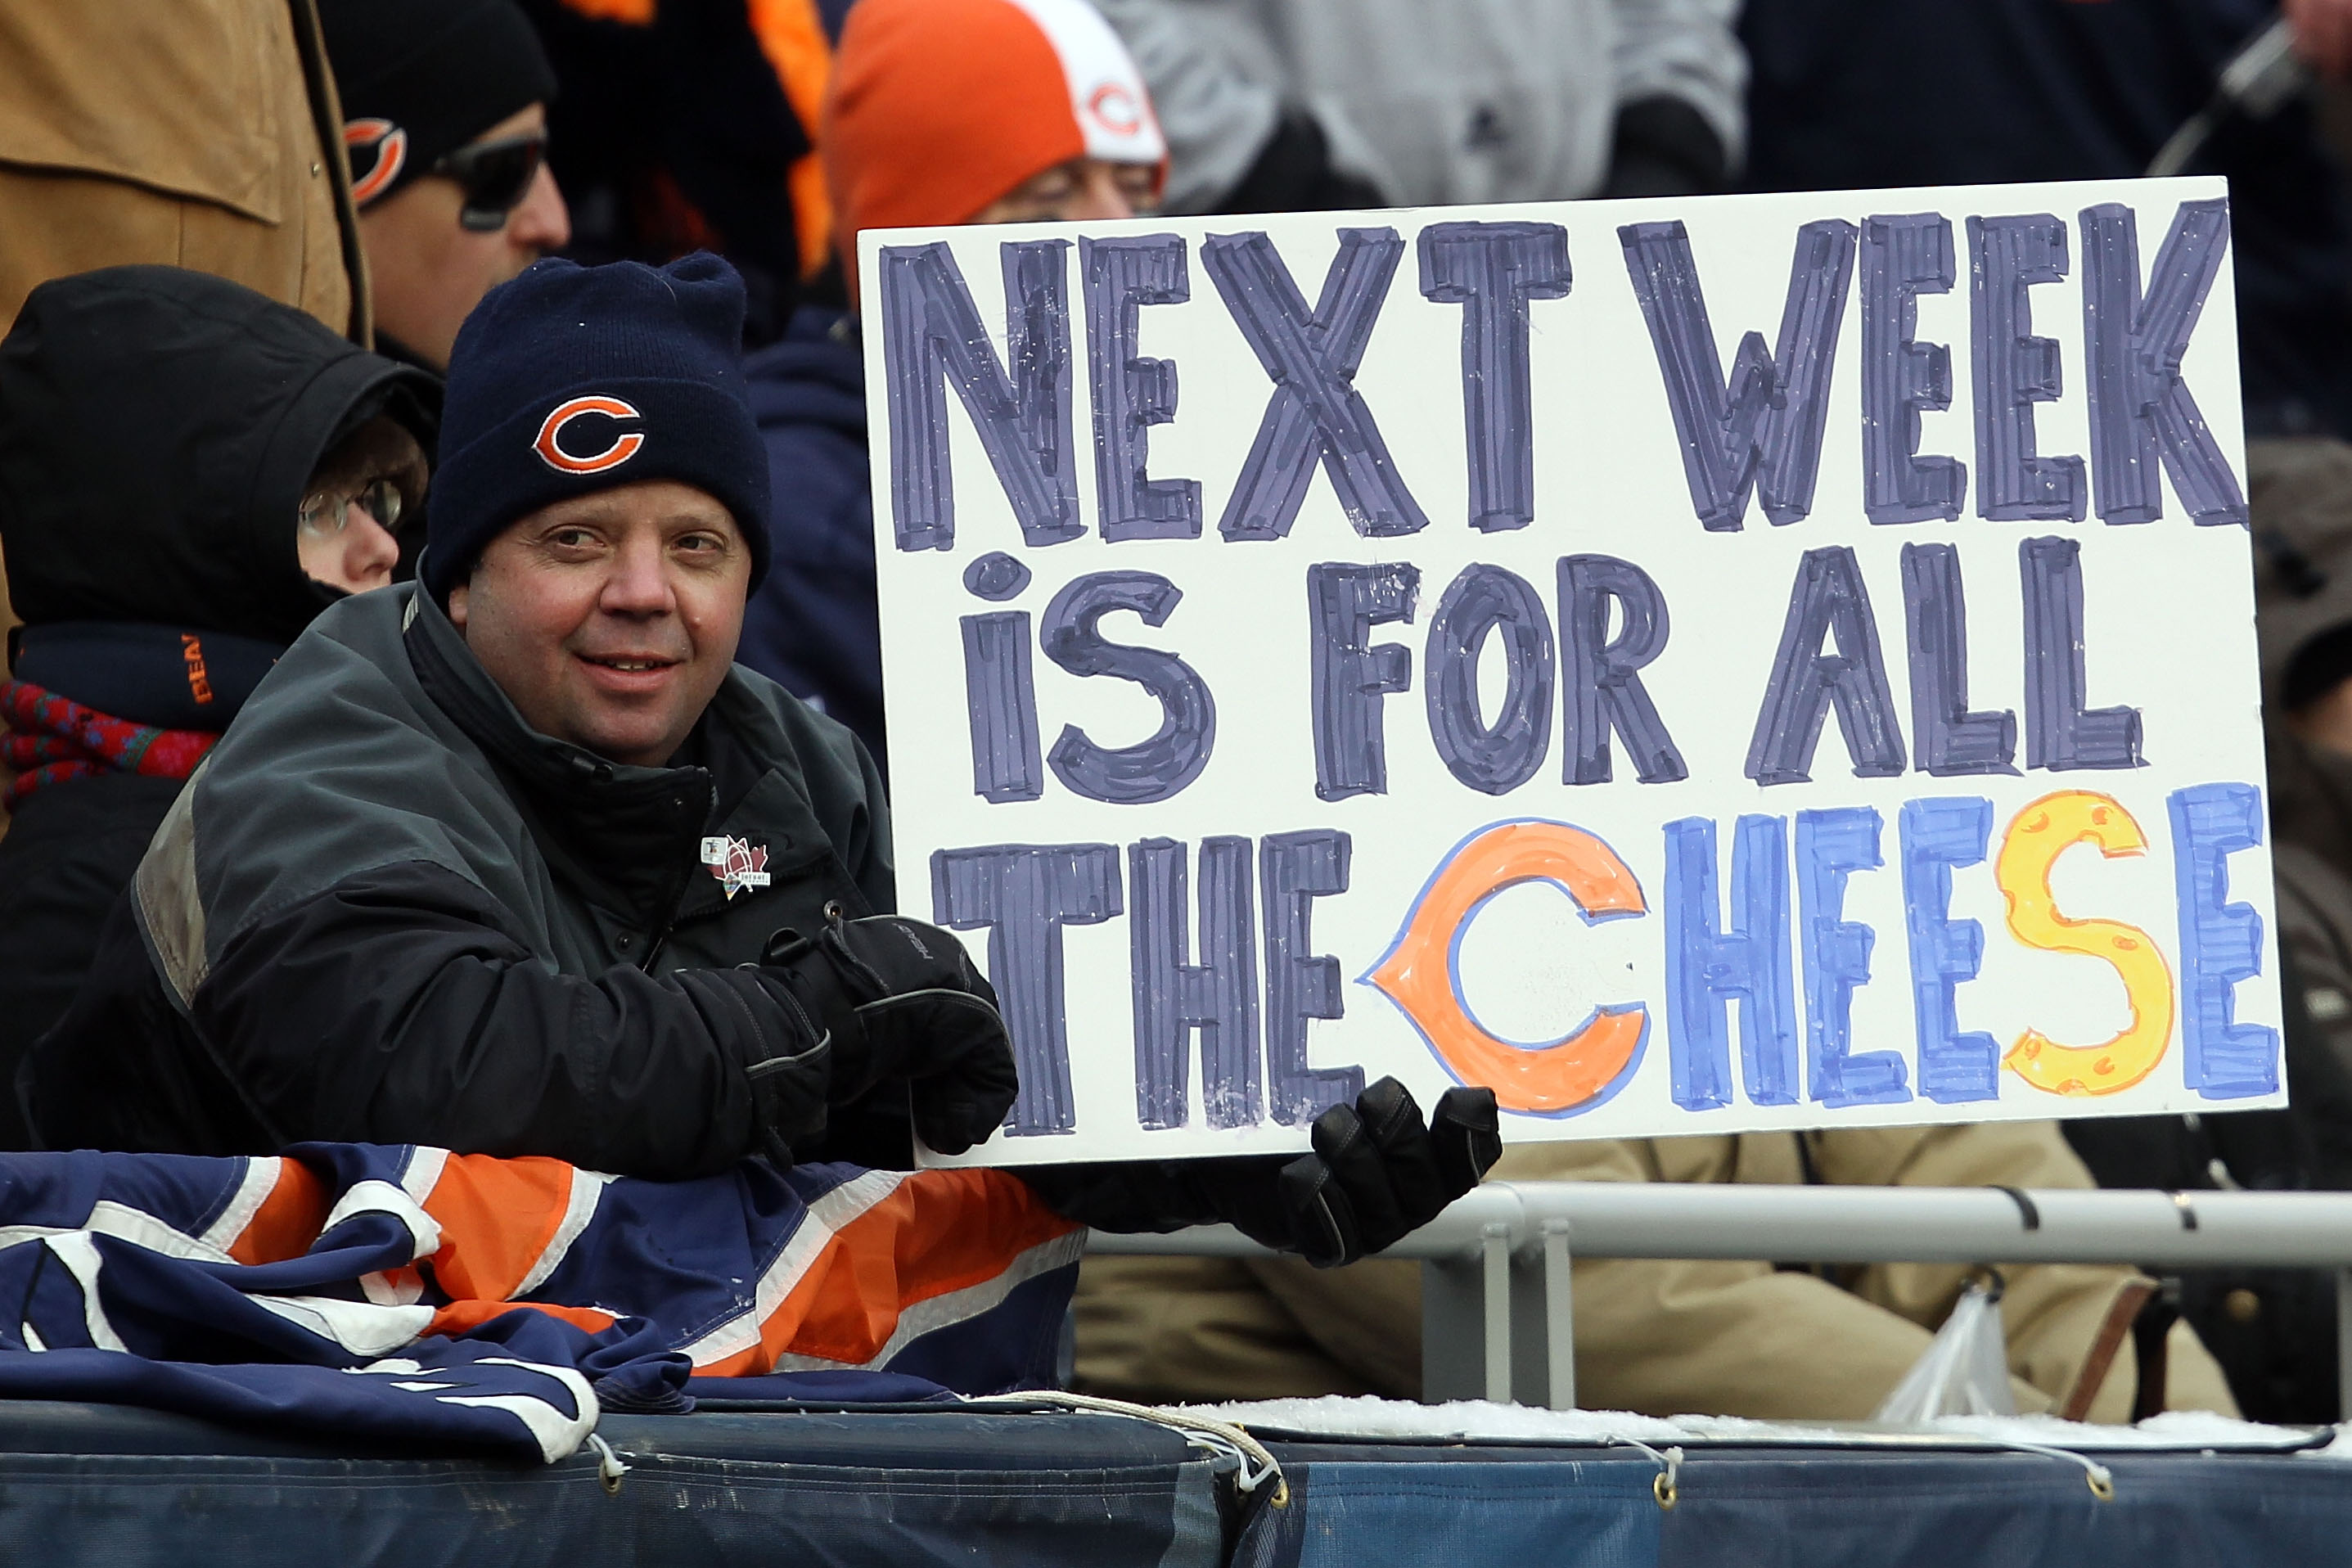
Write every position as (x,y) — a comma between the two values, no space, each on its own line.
(1662,1338)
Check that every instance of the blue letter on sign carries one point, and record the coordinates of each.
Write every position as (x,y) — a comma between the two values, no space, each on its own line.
(1024,894)
(2220,943)
(1762,429)
(1830,844)
(2141,411)
(1001,704)
(930,333)
(1495,758)
(1173,995)
(2015,370)
(1351,675)
(1297,868)
(1706,966)
(1316,410)
(1173,755)
(1133,392)
(1902,258)
(1494,270)
(1938,834)
(1828,600)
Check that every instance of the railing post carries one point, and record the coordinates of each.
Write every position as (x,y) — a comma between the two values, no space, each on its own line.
(2344,1344)
(1559,1317)
(1495,1277)
(1454,1327)
(1543,1325)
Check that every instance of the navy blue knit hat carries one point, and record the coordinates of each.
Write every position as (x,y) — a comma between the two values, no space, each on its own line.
(571,380)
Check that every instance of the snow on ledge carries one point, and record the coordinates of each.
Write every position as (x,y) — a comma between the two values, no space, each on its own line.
(1476,1420)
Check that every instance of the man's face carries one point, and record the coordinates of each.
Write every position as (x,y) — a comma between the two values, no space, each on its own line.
(427,271)
(1082,190)
(610,620)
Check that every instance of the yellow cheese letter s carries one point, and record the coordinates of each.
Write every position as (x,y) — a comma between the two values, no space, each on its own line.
(2036,838)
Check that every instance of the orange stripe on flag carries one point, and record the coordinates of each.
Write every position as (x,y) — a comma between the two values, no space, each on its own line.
(495,1217)
(465,1317)
(289,1219)
(940,1231)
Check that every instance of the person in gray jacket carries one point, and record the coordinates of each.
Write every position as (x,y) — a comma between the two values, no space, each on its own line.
(1285,105)
(517,862)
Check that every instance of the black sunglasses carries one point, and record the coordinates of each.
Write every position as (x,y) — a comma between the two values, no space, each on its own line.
(495,177)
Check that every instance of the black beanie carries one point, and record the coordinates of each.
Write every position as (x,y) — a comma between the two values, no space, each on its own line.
(573,379)
(420,79)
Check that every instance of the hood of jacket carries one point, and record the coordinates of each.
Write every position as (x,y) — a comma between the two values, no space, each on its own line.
(814,375)
(157,429)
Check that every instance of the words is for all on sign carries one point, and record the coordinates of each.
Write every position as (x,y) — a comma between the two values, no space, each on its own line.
(1693,666)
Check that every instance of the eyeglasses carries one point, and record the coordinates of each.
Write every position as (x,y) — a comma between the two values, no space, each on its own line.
(323,516)
(496,175)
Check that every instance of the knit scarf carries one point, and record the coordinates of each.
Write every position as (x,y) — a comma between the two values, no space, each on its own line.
(51,739)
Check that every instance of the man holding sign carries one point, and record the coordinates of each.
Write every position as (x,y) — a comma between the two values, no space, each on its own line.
(517,862)
(1399,766)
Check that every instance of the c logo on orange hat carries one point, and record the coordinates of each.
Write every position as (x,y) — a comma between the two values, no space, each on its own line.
(1115,107)
(391,145)
(623,449)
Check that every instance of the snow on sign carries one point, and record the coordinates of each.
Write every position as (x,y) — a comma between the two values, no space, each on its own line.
(1694,666)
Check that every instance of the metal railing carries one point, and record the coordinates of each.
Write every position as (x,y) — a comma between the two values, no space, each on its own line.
(1497,1322)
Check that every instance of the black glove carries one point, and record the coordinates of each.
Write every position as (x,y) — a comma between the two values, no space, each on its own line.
(1663,147)
(1377,1175)
(903,1005)
(1294,173)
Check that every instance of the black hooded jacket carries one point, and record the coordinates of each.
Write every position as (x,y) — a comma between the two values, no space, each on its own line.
(157,429)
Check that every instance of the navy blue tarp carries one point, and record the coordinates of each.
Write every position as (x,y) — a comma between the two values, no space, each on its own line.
(1360,1507)
(94,1484)
(91,1484)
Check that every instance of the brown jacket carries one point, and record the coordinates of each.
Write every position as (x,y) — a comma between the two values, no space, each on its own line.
(197,133)
(1736,1339)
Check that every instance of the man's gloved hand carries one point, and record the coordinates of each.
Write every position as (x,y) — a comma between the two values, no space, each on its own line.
(1378,1172)
(902,1003)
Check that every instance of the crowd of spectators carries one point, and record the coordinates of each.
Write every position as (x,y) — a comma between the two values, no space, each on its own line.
(244,244)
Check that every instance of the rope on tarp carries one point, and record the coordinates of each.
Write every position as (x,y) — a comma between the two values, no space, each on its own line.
(1254,1466)
(609,1468)
(2101,1479)
(1667,1487)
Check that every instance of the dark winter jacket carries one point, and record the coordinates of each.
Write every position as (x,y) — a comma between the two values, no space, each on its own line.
(387,910)
(1864,94)
(812,626)
(157,429)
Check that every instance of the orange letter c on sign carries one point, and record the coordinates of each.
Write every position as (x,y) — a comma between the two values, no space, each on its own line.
(1420,973)
(550,450)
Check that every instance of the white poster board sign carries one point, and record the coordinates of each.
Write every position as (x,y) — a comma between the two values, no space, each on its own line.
(1695,665)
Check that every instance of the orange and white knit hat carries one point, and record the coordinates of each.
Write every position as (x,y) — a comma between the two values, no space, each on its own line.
(939,107)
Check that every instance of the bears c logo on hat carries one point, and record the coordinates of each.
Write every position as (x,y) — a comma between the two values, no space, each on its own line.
(390,145)
(550,445)
(570,379)
(1114,107)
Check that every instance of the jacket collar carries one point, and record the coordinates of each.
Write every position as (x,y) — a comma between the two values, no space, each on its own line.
(627,837)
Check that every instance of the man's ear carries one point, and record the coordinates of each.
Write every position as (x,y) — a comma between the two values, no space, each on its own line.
(457,607)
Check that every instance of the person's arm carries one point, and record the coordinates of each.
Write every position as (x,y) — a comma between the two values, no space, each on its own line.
(1377,1174)
(1681,122)
(397,1006)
